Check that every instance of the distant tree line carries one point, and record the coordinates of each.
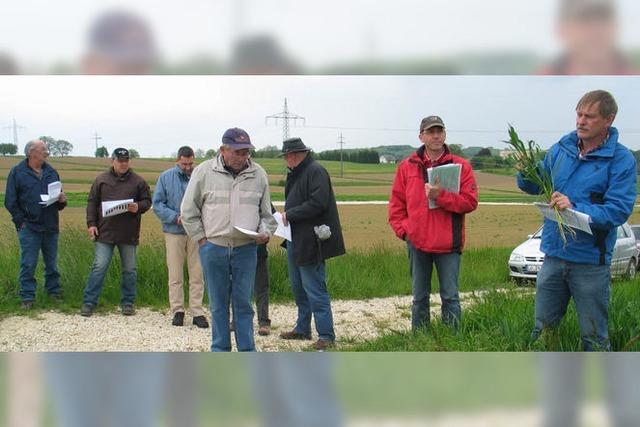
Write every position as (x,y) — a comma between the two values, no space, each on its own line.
(365,155)
(8,149)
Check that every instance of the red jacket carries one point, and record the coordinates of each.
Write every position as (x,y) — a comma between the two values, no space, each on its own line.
(431,230)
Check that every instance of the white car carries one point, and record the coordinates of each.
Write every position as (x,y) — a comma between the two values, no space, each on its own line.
(526,259)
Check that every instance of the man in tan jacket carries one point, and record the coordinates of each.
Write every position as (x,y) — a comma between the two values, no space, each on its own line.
(227,209)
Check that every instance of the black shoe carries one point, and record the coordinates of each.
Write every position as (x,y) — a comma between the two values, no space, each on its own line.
(26,305)
(87,310)
(178,318)
(127,309)
(201,322)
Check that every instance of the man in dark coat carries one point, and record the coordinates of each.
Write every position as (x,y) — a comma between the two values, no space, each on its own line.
(37,223)
(310,208)
(120,228)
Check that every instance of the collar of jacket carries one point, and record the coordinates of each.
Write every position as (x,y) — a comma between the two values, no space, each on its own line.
(45,167)
(418,156)
(217,165)
(122,177)
(181,173)
(569,143)
(303,164)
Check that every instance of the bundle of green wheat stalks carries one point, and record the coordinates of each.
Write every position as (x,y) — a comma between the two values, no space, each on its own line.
(527,156)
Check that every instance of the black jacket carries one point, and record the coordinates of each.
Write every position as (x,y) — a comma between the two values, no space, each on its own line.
(22,198)
(123,228)
(309,202)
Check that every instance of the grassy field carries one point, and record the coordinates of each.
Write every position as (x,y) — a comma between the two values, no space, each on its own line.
(360,181)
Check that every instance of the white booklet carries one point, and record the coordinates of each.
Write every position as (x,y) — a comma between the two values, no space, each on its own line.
(54,189)
(246,231)
(573,219)
(115,207)
(449,176)
(282,231)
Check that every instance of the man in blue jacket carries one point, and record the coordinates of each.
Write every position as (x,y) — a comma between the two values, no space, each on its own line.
(37,224)
(594,174)
(167,198)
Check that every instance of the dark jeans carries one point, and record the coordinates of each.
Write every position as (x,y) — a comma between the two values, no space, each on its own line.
(104,252)
(31,243)
(261,291)
(421,266)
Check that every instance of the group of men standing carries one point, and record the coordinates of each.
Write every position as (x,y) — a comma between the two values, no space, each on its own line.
(206,212)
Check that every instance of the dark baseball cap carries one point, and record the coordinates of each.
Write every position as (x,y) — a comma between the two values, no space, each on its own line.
(431,121)
(237,139)
(120,154)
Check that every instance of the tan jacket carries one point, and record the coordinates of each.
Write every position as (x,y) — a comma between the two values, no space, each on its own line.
(214,203)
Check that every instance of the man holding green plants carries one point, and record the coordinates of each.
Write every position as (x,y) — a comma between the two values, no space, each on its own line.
(430,219)
(592,173)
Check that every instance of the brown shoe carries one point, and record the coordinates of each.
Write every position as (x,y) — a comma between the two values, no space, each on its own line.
(322,345)
(264,330)
(26,305)
(293,335)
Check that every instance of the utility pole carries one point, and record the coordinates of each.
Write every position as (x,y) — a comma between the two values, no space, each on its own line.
(14,127)
(96,137)
(286,116)
(341,143)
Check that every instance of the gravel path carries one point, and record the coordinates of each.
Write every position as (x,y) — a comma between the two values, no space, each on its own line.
(148,330)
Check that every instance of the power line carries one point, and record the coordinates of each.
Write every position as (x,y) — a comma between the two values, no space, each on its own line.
(341,143)
(96,137)
(14,127)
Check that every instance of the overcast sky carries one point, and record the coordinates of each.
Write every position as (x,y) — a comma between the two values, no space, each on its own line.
(157,114)
(316,33)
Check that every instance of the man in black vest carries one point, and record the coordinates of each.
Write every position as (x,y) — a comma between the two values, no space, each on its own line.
(310,208)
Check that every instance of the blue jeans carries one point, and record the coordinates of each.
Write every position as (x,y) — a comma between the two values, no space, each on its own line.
(230,274)
(421,267)
(31,243)
(589,285)
(309,286)
(101,261)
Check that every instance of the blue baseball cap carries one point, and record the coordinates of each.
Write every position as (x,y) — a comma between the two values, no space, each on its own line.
(236,139)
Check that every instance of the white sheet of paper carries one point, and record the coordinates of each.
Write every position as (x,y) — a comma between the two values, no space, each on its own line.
(54,189)
(573,219)
(282,231)
(115,207)
(247,232)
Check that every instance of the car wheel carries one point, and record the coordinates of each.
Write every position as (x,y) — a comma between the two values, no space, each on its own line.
(631,269)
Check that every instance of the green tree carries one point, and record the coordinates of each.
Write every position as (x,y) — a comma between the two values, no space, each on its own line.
(199,153)
(57,147)
(210,154)
(133,153)
(102,152)
(456,149)
(8,149)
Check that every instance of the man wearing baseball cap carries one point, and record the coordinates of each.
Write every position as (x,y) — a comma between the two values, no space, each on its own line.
(433,235)
(227,210)
(121,230)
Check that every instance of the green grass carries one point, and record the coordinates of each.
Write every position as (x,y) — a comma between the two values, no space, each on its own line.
(378,272)
(500,321)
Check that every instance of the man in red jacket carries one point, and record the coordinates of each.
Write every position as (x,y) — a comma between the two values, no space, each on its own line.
(433,234)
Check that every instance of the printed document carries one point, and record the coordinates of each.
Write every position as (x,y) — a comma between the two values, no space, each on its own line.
(449,176)
(573,219)
(115,207)
(282,231)
(54,189)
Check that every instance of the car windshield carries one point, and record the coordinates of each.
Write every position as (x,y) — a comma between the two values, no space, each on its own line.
(537,234)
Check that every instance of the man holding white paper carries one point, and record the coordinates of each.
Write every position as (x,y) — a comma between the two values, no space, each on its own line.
(110,228)
(429,215)
(37,224)
(226,195)
(593,174)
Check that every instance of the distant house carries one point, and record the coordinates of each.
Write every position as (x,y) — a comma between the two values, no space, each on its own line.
(506,153)
(387,158)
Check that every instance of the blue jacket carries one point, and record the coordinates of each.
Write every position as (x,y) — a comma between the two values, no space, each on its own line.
(167,198)
(22,198)
(601,185)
